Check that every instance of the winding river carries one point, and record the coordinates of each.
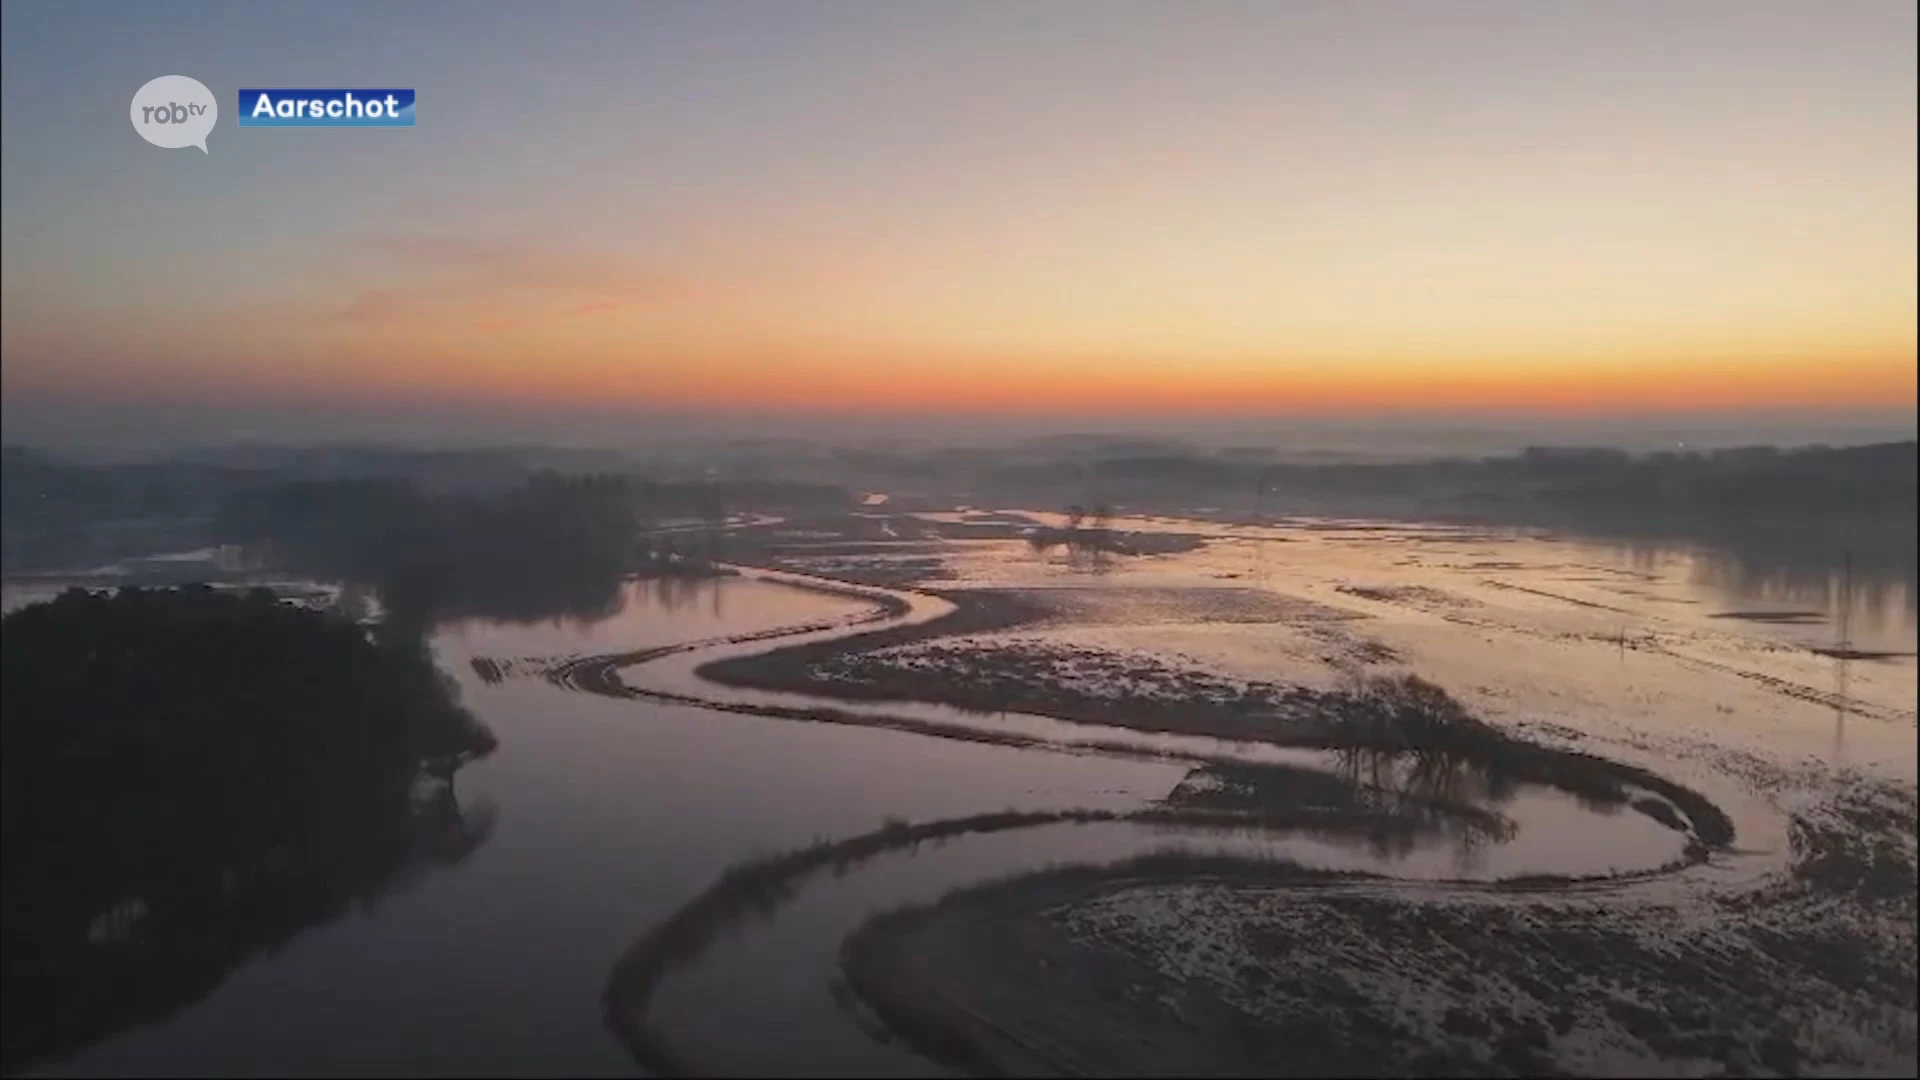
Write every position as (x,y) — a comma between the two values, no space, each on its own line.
(744,978)
(676,862)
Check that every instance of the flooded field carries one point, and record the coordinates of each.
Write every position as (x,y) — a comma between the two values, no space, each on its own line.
(730,813)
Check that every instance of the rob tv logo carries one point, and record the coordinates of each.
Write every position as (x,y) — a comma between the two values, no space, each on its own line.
(174,112)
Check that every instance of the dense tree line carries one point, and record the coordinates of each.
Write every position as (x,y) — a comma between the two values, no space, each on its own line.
(54,514)
(67,515)
(1782,514)
(191,775)
(549,545)
(1752,482)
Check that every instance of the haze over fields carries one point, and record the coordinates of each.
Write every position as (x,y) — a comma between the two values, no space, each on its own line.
(1062,538)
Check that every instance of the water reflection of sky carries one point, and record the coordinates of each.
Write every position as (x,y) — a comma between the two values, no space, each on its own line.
(1872,601)
(612,813)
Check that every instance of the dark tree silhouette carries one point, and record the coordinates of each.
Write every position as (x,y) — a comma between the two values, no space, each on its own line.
(192,775)
(550,546)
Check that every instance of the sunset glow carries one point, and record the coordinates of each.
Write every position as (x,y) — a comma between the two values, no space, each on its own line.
(1297,208)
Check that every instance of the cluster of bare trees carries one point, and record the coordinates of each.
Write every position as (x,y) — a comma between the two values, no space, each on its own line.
(1088,536)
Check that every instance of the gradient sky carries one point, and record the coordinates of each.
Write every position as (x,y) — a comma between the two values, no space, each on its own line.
(1284,208)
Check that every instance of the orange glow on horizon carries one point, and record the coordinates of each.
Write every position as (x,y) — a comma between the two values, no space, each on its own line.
(958,387)
(930,382)
(1232,209)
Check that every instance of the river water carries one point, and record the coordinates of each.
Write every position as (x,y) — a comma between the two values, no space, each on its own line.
(614,813)
(611,813)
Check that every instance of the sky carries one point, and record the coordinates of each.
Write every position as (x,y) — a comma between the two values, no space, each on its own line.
(844,209)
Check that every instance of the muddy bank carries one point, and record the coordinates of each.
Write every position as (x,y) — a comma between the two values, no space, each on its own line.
(983,982)
(1024,679)
(1453,760)
(757,889)
(904,549)
(791,668)
(1396,716)
(890,570)
(1404,714)
(1086,685)
(1177,966)
(600,674)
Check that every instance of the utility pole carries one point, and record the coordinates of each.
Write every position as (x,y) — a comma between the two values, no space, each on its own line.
(1842,648)
(1846,601)
(1258,538)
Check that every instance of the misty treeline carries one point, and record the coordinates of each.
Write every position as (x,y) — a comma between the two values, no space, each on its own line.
(58,514)
(1788,511)
(1753,481)
(55,514)
(548,545)
(192,775)
(370,527)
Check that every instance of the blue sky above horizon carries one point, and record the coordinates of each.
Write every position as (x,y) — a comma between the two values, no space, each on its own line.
(1041,209)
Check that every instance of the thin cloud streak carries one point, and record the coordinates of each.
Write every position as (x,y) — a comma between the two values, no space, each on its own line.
(495,287)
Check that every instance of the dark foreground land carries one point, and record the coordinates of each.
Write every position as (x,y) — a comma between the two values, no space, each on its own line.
(1175,966)
(193,776)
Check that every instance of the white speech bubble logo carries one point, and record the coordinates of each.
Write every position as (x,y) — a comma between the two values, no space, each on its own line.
(175,112)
